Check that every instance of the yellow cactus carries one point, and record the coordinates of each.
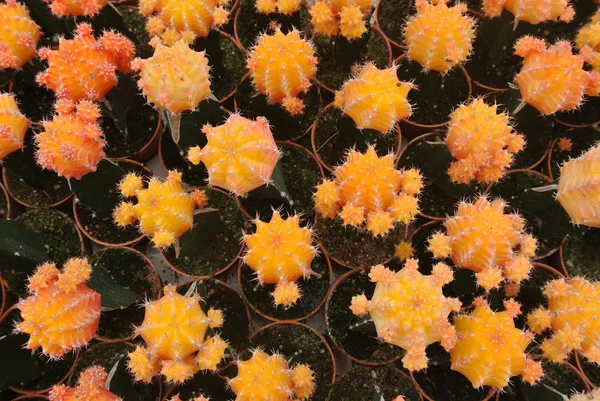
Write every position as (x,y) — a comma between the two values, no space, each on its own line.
(490,349)
(588,40)
(286,7)
(374,98)
(164,210)
(534,12)
(482,238)
(552,78)
(175,78)
(13,125)
(367,190)
(483,143)
(269,377)
(90,386)
(62,313)
(410,310)
(19,37)
(439,37)
(572,316)
(281,252)
(346,17)
(174,330)
(240,155)
(579,189)
(281,66)
(172,20)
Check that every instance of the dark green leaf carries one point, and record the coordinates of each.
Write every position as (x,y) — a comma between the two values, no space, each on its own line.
(113,295)
(98,190)
(207,223)
(276,189)
(120,382)
(18,365)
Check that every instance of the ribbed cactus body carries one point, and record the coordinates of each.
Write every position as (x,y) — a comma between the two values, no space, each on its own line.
(13,125)
(374,98)
(532,11)
(281,67)
(346,17)
(62,313)
(482,141)
(19,35)
(240,155)
(75,8)
(90,387)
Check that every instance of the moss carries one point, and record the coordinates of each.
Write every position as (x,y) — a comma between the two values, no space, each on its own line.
(392,14)
(363,346)
(174,159)
(220,250)
(300,345)
(49,193)
(581,254)
(361,382)
(137,25)
(51,372)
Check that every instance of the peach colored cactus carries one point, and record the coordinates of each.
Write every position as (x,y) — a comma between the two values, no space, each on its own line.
(19,36)
(13,125)
(76,8)
(90,387)
(532,11)
(346,17)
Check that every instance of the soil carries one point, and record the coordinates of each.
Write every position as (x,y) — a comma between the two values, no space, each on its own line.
(53,190)
(581,255)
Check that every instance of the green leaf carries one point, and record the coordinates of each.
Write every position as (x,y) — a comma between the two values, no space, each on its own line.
(113,295)
(98,190)
(120,382)
(207,223)
(276,189)
(19,365)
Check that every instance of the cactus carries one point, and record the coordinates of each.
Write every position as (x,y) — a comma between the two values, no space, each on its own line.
(346,17)
(374,98)
(13,125)
(480,335)
(164,210)
(572,316)
(410,310)
(280,384)
(367,190)
(286,7)
(483,143)
(439,37)
(240,155)
(85,67)
(588,39)
(534,12)
(174,330)
(281,66)
(552,78)
(61,313)
(482,238)
(280,252)
(71,143)
(19,36)
(75,8)
(170,21)
(90,386)
(578,188)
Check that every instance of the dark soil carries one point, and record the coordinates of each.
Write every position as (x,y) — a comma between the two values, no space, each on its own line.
(51,192)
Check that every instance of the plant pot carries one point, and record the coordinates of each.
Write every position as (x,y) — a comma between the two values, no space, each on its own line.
(302,173)
(582,139)
(54,373)
(313,292)
(223,250)
(131,269)
(56,193)
(360,346)
(333,133)
(300,344)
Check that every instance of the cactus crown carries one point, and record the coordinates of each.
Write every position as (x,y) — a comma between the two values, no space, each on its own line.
(346,17)
(19,37)
(90,387)
(534,12)
(13,125)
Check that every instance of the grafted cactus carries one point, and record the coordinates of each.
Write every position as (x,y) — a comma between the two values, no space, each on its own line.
(19,35)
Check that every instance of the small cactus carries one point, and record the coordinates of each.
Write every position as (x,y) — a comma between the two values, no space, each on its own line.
(346,17)
(368,191)
(62,313)
(578,188)
(85,67)
(281,66)
(175,78)
(281,252)
(490,349)
(240,155)
(174,330)
(170,21)
(482,238)
(164,210)
(534,12)
(75,8)
(572,315)
(374,98)
(13,125)
(483,143)
(282,383)
(439,37)
(71,143)
(285,7)
(552,78)
(90,386)
(19,35)
(588,40)
(410,310)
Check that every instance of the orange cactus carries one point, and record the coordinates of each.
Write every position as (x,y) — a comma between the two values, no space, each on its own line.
(482,141)
(281,66)
(85,67)
(13,125)
(90,386)
(19,36)
(62,313)
(552,78)
(76,8)
(72,143)
(588,40)
(534,12)
(439,37)
(346,17)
